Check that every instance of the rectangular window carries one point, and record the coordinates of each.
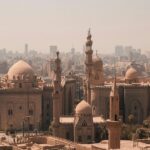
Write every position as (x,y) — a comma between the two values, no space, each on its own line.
(47,106)
(10,112)
(30,112)
(89,137)
(20,85)
(68,135)
(79,139)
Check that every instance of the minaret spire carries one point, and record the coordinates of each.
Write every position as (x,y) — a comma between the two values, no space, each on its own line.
(57,95)
(114,87)
(57,69)
(89,64)
(57,53)
(114,125)
(89,32)
(89,40)
(114,100)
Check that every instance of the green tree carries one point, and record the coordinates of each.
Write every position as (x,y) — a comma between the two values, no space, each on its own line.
(146,123)
(131,118)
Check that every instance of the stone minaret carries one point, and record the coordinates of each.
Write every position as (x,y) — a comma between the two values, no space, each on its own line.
(57,95)
(88,63)
(114,125)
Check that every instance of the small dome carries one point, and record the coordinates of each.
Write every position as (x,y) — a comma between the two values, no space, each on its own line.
(20,68)
(97,62)
(83,108)
(131,74)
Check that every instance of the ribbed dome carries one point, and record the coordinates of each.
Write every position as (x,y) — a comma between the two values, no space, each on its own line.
(131,74)
(21,68)
(83,108)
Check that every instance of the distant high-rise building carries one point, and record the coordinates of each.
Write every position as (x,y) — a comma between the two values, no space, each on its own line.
(119,50)
(2,54)
(53,50)
(73,51)
(26,50)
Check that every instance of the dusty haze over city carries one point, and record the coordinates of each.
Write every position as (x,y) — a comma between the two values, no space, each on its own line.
(64,23)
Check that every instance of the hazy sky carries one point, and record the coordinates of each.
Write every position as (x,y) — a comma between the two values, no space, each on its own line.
(41,23)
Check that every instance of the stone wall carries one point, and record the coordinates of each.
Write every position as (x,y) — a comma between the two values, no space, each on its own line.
(19,104)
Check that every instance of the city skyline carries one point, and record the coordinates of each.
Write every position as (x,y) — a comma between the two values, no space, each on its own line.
(65,24)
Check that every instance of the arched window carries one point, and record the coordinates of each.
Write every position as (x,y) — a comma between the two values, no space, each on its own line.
(137,111)
(84,124)
(96,76)
(89,137)
(13,77)
(67,135)
(48,106)
(10,112)
(79,138)
(94,109)
(11,125)
(30,112)
(57,92)
(33,85)
(116,118)
(31,109)
(20,85)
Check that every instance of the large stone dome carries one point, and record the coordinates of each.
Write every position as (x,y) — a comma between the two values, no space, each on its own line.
(131,74)
(83,108)
(20,70)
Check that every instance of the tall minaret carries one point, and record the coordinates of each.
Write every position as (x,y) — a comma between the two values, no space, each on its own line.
(89,63)
(57,95)
(114,102)
(114,125)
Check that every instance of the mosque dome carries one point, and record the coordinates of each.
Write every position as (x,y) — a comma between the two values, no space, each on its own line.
(131,74)
(83,108)
(20,69)
(97,62)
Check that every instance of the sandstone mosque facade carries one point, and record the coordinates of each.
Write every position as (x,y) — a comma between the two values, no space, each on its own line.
(25,100)
(102,100)
(133,89)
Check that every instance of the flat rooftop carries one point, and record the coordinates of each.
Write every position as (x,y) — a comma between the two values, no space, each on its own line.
(125,145)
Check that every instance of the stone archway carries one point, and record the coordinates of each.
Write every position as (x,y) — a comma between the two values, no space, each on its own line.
(137,111)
